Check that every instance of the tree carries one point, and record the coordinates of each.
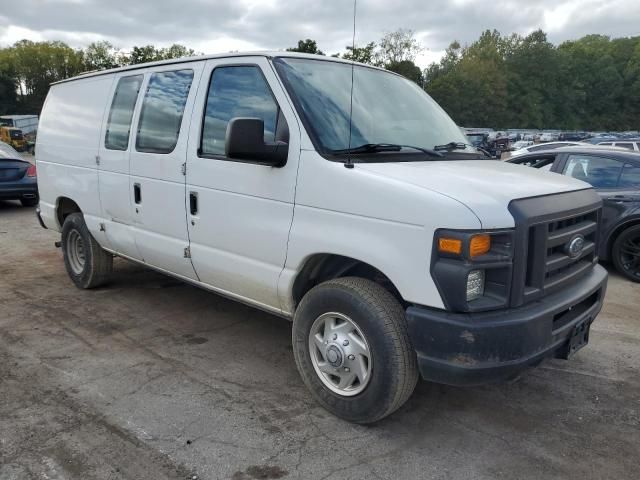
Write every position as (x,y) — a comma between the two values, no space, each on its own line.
(35,65)
(150,53)
(147,53)
(361,54)
(407,69)
(100,56)
(396,47)
(8,94)
(177,51)
(306,46)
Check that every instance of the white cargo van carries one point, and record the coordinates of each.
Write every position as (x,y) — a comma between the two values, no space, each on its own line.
(394,247)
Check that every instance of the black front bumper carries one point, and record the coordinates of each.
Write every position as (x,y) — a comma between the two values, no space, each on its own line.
(478,348)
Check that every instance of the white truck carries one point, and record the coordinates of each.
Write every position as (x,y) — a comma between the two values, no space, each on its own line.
(337,195)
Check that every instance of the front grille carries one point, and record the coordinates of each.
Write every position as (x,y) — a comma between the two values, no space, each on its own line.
(549,265)
(543,263)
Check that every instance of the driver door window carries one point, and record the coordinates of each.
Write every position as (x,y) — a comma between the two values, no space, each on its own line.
(236,91)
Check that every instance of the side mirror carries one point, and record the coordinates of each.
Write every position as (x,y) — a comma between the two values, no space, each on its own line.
(245,141)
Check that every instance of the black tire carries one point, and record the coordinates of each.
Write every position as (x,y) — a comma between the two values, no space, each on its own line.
(97,265)
(381,320)
(29,202)
(625,253)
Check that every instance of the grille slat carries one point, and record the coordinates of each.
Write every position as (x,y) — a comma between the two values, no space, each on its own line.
(563,235)
(561,260)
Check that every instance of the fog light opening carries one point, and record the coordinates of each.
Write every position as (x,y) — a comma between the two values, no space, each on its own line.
(475,284)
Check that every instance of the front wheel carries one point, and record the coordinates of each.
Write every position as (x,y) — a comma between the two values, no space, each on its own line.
(626,253)
(87,264)
(352,349)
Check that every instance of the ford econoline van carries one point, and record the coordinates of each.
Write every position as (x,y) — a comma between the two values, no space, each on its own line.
(339,196)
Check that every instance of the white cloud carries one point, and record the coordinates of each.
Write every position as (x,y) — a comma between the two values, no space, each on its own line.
(214,26)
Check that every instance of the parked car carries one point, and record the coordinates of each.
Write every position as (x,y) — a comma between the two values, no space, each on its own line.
(491,145)
(401,258)
(632,144)
(573,136)
(17,177)
(549,137)
(521,144)
(616,177)
(538,147)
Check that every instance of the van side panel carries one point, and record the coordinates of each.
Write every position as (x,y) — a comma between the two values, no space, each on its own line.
(67,145)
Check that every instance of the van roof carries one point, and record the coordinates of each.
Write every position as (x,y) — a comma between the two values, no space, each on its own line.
(263,53)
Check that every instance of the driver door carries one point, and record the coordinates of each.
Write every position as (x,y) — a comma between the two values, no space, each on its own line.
(240,212)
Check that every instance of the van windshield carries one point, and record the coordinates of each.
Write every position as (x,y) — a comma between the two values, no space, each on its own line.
(387,108)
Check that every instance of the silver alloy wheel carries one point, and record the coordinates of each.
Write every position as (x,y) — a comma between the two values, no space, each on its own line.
(75,251)
(340,354)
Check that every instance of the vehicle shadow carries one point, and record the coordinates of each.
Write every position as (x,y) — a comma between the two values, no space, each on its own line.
(11,205)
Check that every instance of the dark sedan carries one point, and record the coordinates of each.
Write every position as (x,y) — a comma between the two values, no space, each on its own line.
(615,174)
(17,177)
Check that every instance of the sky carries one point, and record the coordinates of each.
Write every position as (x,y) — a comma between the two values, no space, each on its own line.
(216,26)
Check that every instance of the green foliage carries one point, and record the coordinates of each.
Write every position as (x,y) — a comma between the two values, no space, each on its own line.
(34,65)
(396,47)
(150,53)
(100,56)
(407,69)
(8,94)
(28,68)
(364,54)
(526,82)
(306,46)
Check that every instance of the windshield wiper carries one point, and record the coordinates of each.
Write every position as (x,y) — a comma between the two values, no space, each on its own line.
(459,146)
(384,147)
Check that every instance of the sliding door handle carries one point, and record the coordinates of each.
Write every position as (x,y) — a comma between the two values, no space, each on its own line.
(193,203)
(137,193)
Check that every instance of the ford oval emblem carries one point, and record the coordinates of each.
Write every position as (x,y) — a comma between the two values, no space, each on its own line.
(575,246)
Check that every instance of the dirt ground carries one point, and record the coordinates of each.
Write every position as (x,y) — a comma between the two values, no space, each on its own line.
(150,378)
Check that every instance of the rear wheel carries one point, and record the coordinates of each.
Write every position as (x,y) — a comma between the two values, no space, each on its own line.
(87,264)
(352,349)
(626,253)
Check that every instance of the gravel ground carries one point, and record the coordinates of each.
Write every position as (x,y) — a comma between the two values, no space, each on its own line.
(149,378)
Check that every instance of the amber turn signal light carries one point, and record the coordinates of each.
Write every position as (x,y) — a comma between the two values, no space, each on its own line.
(450,245)
(479,245)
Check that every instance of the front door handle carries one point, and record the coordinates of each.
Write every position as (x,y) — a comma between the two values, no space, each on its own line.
(137,193)
(193,203)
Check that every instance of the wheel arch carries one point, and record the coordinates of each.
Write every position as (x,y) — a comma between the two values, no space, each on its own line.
(615,233)
(320,267)
(65,206)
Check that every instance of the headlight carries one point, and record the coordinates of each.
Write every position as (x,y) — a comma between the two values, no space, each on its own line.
(475,284)
(473,269)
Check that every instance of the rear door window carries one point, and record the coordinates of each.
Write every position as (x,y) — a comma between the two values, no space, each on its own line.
(162,110)
(630,177)
(628,146)
(121,113)
(601,172)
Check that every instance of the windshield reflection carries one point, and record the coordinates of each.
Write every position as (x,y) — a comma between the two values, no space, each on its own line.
(387,108)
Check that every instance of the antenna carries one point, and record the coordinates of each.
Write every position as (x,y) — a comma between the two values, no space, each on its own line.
(349,163)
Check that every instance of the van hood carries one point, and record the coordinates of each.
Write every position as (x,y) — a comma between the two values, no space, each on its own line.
(484,186)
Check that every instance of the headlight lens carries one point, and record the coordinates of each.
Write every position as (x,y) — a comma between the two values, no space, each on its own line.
(475,284)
